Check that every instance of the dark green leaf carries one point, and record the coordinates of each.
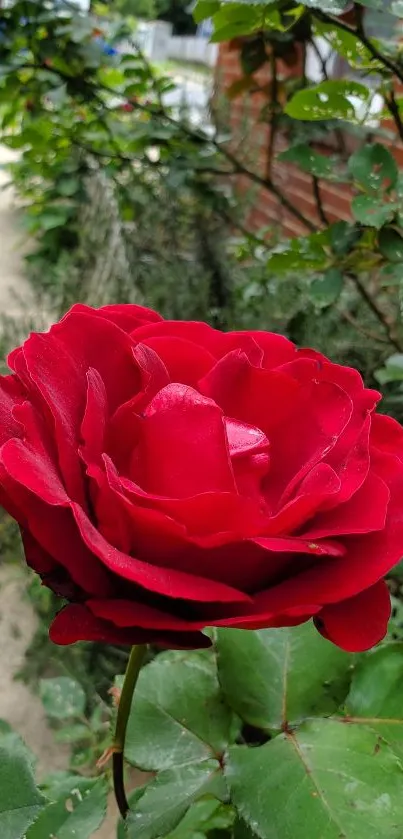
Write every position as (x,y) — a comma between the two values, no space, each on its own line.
(392,371)
(311,161)
(68,186)
(242,830)
(373,167)
(202,817)
(165,800)
(301,254)
(390,243)
(328,780)
(273,676)
(178,715)
(343,237)
(253,55)
(79,810)
(205,9)
(62,697)
(377,685)
(48,220)
(12,742)
(73,734)
(328,100)
(20,800)
(348,45)
(327,289)
(370,210)
(236,19)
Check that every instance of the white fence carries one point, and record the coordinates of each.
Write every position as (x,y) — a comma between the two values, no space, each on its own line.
(189,48)
(158,43)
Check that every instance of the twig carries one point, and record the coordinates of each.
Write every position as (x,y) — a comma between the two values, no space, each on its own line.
(319,204)
(393,108)
(377,311)
(273,120)
(367,333)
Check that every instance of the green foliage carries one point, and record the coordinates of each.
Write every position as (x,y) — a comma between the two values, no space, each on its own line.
(165,801)
(373,168)
(267,678)
(318,753)
(320,781)
(62,698)
(20,801)
(274,733)
(77,808)
(83,726)
(329,100)
(165,713)
(309,160)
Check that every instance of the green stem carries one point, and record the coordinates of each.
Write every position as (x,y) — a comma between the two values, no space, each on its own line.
(125,703)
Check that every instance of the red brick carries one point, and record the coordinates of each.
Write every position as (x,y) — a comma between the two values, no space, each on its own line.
(251,141)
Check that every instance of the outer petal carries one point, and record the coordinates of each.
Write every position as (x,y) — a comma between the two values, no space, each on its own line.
(129,613)
(166,581)
(77,623)
(128,316)
(12,393)
(359,623)
(387,435)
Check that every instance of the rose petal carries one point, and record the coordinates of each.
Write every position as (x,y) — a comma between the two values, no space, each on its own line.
(91,341)
(290,617)
(185,361)
(93,426)
(307,438)
(167,581)
(365,512)
(124,613)
(183,447)
(76,623)
(12,393)
(360,622)
(315,490)
(128,316)
(124,426)
(276,348)
(262,398)
(244,439)
(387,435)
(194,331)
(39,366)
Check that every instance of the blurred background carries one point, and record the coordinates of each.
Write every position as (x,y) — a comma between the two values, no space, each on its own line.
(143,162)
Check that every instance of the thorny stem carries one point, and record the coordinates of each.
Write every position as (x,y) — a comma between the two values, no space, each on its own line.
(125,703)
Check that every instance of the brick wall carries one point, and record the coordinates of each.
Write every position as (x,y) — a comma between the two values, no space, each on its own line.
(251,142)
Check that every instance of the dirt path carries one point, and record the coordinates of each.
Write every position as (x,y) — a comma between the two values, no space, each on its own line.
(13,285)
(18,621)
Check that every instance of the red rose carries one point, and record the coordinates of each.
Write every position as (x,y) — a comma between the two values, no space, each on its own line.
(168,477)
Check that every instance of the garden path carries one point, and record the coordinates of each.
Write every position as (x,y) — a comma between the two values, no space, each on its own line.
(18,621)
